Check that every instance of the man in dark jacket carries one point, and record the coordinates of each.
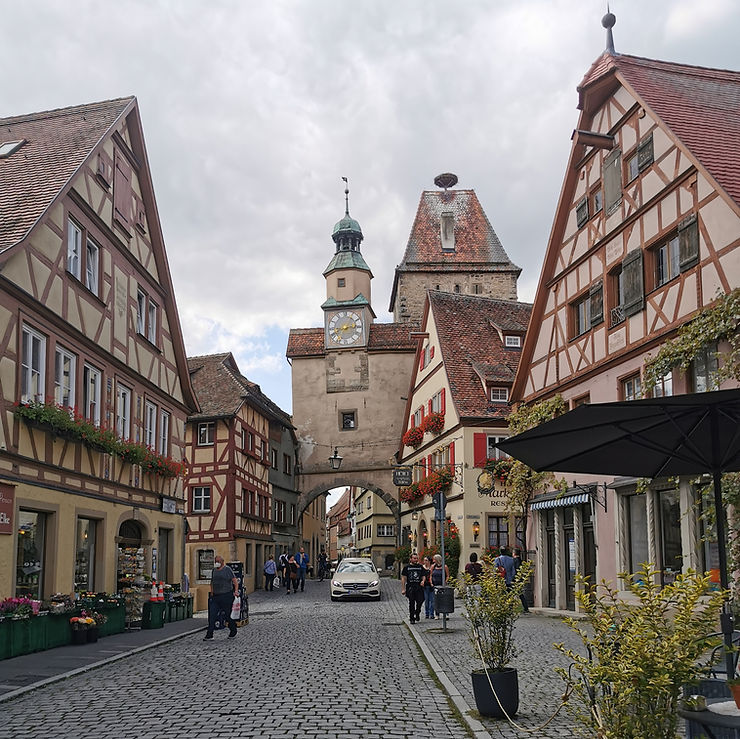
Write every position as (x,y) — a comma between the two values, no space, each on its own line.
(412,577)
(224,587)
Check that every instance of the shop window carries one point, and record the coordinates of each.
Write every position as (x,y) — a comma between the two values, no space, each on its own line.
(85,555)
(29,579)
(498,531)
(703,370)
(33,365)
(671,558)
(92,380)
(201,499)
(65,377)
(637,532)
(206,433)
(631,387)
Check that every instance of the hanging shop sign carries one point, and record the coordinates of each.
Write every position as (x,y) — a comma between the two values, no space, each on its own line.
(7,506)
(402,476)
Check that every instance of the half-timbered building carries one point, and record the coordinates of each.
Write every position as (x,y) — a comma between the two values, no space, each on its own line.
(93,379)
(645,236)
(229,494)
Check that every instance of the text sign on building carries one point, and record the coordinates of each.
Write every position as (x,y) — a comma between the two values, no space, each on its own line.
(168,505)
(7,505)
(402,476)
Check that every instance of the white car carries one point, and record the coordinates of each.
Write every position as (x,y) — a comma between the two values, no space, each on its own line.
(355,578)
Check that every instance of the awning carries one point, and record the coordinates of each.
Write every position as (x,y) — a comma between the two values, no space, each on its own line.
(561,502)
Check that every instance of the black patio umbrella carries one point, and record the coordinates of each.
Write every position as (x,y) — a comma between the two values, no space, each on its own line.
(657,437)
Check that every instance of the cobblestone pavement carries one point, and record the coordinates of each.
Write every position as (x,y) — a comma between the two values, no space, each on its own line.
(302,667)
(539,687)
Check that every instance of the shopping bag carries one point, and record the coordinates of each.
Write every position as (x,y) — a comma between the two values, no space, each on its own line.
(236,608)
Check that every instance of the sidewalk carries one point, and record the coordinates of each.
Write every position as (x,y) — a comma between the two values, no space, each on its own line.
(30,671)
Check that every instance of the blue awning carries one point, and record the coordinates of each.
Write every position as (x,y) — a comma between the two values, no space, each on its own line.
(560,502)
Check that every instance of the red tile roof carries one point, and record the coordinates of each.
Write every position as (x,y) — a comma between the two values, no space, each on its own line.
(221,389)
(309,342)
(472,349)
(700,106)
(58,142)
(476,243)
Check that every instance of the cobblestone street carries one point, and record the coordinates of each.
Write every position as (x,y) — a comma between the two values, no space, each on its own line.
(302,667)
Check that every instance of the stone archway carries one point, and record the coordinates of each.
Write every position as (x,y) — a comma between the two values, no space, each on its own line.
(309,496)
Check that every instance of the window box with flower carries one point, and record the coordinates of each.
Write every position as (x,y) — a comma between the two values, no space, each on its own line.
(434,423)
(413,437)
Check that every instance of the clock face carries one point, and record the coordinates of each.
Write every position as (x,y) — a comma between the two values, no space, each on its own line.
(345,328)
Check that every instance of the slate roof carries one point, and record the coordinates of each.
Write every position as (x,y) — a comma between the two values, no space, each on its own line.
(476,243)
(472,350)
(699,105)
(309,342)
(221,389)
(57,143)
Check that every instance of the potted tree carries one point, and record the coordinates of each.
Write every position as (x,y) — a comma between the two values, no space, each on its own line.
(491,609)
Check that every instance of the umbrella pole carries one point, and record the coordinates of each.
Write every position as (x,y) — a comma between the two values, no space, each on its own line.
(726,616)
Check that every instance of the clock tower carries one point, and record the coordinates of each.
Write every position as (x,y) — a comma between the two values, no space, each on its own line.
(347,309)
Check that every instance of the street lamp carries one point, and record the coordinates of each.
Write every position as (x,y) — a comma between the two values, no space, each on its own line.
(415,516)
(335,461)
(476,530)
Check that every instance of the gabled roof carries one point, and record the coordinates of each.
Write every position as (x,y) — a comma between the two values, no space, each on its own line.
(472,350)
(699,105)
(309,342)
(57,144)
(221,389)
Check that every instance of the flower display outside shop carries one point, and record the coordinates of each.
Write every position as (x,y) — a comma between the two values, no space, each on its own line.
(68,423)
(434,423)
(437,481)
(82,623)
(413,437)
(18,607)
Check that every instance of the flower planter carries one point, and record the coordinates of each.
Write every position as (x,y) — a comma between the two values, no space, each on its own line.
(27,635)
(506,685)
(153,615)
(4,638)
(58,630)
(92,634)
(79,636)
(735,690)
(116,623)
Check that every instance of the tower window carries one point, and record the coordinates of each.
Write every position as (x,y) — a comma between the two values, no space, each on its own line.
(340,282)
(457,288)
(447,231)
(348,419)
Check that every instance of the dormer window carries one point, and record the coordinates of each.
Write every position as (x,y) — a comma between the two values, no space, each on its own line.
(10,147)
(499,394)
(513,342)
(447,230)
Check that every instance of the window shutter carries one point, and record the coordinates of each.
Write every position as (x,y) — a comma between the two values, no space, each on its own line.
(452,454)
(444,402)
(632,280)
(688,243)
(122,191)
(429,406)
(430,468)
(596,294)
(582,212)
(480,450)
(612,177)
(431,353)
(422,412)
(645,153)
(421,360)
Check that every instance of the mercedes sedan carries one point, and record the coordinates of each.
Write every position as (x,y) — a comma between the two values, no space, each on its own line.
(355,578)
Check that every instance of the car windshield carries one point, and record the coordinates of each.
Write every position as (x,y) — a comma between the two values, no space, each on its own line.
(355,567)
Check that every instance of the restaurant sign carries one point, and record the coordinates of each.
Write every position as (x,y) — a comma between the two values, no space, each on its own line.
(7,506)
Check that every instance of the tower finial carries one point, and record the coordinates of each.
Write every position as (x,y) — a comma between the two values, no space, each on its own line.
(346,196)
(608,22)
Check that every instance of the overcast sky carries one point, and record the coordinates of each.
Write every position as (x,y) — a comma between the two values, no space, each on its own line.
(253,111)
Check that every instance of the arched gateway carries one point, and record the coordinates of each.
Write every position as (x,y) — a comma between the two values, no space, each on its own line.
(344,481)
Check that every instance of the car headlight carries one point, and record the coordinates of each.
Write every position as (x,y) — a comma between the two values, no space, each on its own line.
(336,583)
(373,584)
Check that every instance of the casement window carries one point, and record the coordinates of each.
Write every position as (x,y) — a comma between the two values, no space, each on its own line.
(427,354)
(273,459)
(348,420)
(596,303)
(386,529)
(596,200)
(122,193)
(664,387)
(631,387)
(147,316)
(418,416)
(279,511)
(74,248)
(612,178)
(498,531)
(633,283)
(83,256)
(639,160)
(616,297)
(437,402)
(92,383)
(582,400)
(250,441)
(92,266)
(581,315)
(206,433)
(201,499)
(292,514)
(340,282)
(666,261)
(688,242)
(123,411)
(164,433)
(703,370)
(33,365)
(582,212)
(140,311)
(631,169)
(65,377)
(484,448)
(287,464)
(151,324)
(150,424)
(248,502)
(512,342)
(500,394)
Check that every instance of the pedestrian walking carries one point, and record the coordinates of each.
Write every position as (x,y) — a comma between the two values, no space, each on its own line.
(301,559)
(224,588)
(426,563)
(270,570)
(437,579)
(323,566)
(292,576)
(412,576)
(505,565)
(474,568)
(283,561)
(517,557)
